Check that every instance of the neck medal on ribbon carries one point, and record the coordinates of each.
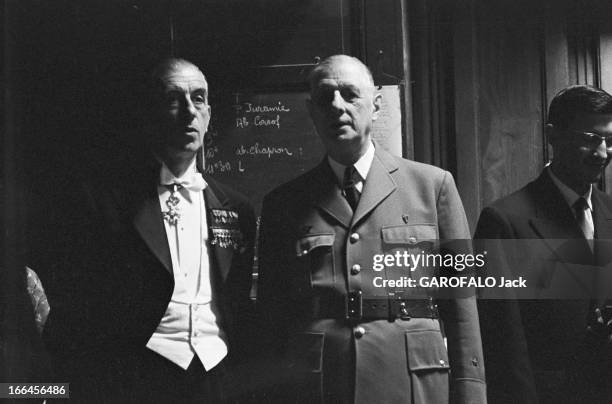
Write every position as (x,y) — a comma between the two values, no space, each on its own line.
(173,214)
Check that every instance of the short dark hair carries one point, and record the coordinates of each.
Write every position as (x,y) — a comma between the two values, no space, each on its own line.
(577,99)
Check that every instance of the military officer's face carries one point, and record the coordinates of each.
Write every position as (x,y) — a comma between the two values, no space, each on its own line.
(184,112)
(580,153)
(343,105)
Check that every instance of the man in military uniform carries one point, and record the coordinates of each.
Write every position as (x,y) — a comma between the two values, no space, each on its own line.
(341,337)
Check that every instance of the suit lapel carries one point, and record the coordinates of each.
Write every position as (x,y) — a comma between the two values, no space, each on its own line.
(328,196)
(554,221)
(149,223)
(378,185)
(222,256)
(602,220)
(602,215)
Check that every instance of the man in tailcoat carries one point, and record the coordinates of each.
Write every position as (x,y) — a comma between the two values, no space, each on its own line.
(161,266)
(341,335)
(555,350)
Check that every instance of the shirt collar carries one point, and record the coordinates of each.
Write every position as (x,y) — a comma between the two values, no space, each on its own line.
(569,194)
(167,177)
(362,166)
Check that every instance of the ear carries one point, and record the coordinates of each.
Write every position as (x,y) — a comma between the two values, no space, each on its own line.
(377,102)
(209,116)
(552,134)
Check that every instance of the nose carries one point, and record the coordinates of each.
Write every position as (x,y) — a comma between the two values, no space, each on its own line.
(189,110)
(337,101)
(602,149)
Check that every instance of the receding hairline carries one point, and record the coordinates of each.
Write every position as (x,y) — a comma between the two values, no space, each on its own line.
(332,62)
(172,65)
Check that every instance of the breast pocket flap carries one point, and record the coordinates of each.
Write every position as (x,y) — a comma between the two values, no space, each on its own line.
(306,244)
(409,234)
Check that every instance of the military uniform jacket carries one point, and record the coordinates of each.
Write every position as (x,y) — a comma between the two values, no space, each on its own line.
(315,251)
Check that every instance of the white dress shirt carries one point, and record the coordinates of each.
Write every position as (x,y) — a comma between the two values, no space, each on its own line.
(362,166)
(571,197)
(189,326)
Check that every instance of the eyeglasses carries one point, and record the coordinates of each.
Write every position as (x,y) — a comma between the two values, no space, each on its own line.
(590,139)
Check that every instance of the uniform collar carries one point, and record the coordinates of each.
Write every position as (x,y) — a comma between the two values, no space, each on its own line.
(362,165)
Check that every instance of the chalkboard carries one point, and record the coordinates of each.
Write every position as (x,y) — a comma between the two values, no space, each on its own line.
(262,141)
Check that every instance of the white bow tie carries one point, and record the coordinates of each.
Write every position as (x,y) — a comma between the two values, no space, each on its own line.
(192,182)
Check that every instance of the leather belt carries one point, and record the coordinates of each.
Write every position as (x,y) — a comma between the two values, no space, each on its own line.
(356,307)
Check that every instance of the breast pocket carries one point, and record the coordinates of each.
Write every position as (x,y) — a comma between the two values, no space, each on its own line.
(416,240)
(415,244)
(315,254)
(428,366)
(412,236)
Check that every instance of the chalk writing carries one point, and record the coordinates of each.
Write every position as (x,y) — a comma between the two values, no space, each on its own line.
(210,152)
(218,167)
(262,121)
(242,122)
(266,108)
(265,150)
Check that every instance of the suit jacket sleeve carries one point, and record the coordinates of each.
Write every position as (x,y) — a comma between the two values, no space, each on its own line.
(273,301)
(239,286)
(459,315)
(509,374)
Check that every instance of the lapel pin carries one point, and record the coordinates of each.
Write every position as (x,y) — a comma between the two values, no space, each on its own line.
(405,218)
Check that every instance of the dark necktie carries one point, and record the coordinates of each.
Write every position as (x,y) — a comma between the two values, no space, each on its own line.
(584,220)
(349,186)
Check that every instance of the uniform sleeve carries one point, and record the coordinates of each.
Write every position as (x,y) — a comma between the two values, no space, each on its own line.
(460,315)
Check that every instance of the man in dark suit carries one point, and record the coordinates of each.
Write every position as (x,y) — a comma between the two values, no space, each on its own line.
(346,336)
(552,351)
(161,266)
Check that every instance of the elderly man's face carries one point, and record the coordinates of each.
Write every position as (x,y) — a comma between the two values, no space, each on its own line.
(184,112)
(343,106)
(580,156)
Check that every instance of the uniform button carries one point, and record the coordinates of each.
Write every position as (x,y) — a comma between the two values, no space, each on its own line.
(354,237)
(442,362)
(355,269)
(412,240)
(359,332)
(304,252)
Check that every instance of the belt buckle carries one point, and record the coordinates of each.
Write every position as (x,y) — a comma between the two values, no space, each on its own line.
(354,305)
(399,309)
(403,312)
